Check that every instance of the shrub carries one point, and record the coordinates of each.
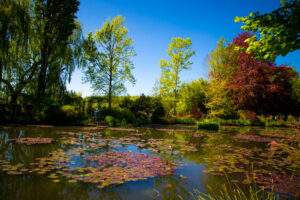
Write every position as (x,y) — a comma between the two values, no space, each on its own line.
(290,120)
(69,111)
(111,120)
(236,122)
(208,125)
(158,113)
(242,122)
(124,122)
(184,120)
(117,114)
(248,115)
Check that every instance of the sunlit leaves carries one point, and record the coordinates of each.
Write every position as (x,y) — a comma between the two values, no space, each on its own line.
(180,53)
(279,31)
(107,55)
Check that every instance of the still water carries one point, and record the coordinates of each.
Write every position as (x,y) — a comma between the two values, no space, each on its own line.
(163,162)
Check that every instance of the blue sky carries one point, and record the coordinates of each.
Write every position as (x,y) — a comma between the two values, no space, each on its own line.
(153,23)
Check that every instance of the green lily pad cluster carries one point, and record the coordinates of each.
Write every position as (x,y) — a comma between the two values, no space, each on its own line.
(105,169)
(275,166)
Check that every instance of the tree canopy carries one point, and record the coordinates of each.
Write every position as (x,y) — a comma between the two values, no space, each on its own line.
(107,55)
(278,31)
(260,86)
(180,53)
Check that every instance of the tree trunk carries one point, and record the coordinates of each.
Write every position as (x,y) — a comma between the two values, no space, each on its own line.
(42,75)
(175,91)
(110,89)
(13,103)
(175,96)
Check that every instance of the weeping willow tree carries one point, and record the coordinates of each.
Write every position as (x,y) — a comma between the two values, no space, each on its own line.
(58,33)
(19,55)
(38,51)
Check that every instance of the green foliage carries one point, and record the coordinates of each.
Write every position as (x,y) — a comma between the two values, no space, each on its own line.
(192,98)
(233,192)
(18,49)
(112,121)
(124,122)
(295,95)
(184,120)
(39,49)
(70,111)
(278,31)
(207,124)
(219,101)
(107,58)
(59,40)
(180,53)
(158,111)
(144,108)
(236,122)
(118,114)
(222,67)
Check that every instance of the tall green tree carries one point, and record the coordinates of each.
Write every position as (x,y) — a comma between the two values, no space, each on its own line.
(221,62)
(107,55)
(54,21)
(278,31)
(39,46)
(180,53)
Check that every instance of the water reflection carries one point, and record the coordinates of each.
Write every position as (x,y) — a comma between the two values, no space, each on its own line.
(204,159)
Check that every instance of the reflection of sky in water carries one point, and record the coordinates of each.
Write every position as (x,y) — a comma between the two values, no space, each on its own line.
(185,180)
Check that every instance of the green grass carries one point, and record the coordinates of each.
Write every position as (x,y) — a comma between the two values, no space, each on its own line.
(233,192)
(208,125)
(235,122)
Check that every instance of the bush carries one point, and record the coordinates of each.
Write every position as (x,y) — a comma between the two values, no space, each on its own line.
(208,125)
(242,122)
(184,120)
(69,111)
(158,113)
(117,114)
(111,120)
(247,115)
(235,122)
(50,111)
(124,122)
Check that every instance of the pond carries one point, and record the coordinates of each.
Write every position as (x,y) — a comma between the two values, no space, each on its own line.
(158,162)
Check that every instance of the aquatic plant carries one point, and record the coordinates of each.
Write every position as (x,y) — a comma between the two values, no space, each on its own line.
(208,125)
(30,141)
(233,192)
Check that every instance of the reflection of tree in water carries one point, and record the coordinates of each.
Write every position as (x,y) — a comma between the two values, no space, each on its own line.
(21,153)
(30,187)
(171,187)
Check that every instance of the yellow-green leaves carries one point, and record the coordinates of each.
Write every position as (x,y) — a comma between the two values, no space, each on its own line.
(180,53)
(221,67)
(108,54)
(278,31)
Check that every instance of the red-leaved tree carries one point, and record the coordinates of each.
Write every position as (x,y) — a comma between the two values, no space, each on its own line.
(260,86)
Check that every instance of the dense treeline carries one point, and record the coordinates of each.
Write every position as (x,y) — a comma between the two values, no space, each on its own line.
(42,43)
(39,51)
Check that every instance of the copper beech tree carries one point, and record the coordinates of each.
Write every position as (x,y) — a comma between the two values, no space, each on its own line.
(261,86)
